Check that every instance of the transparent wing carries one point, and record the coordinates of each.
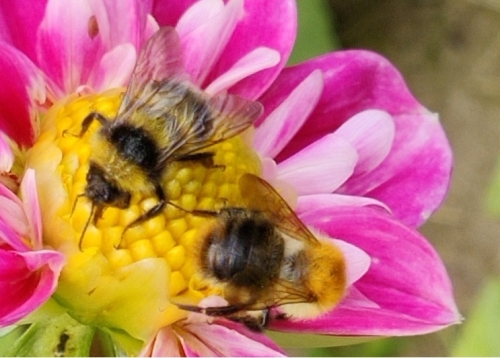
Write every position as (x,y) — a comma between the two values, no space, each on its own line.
(160,59)
(284,292)
(259,195)
(200,121)
(182,118)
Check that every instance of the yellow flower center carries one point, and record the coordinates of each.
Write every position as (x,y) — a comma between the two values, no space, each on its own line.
(126,279)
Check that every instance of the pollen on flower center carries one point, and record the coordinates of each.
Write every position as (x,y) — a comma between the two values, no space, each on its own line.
(62,158)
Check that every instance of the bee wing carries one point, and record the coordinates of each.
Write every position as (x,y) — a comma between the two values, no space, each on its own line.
(207,121)
(284,292)
(186,119)
(259,195)
(160,59)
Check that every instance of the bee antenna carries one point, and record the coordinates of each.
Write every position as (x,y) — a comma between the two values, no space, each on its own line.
(93,210)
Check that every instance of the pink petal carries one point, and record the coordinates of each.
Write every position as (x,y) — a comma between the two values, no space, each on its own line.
(406,279)
(204,30)
(13,215)
(275,30)
(319,201)
(165,344)
(32,207)
(371,132)
(414,177)
(115,68)
(67,47)
(358,261)
(9,236)
(18,23)
(27,280)
(321,167)
(96,31)
(126,21)
(253,62)
(6,155)
(22,89)
(226,338)
(281,125)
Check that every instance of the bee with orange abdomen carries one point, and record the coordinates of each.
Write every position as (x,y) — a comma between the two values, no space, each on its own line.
(260,256)
(162,119)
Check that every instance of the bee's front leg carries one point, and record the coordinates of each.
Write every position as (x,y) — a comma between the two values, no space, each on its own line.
(154,211)
(87,121)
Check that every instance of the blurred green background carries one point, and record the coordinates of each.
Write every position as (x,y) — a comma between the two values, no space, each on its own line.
(449,53)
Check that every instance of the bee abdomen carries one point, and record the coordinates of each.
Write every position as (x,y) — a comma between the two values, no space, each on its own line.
(246,252)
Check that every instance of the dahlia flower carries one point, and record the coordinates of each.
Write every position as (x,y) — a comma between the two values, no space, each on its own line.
(341,138)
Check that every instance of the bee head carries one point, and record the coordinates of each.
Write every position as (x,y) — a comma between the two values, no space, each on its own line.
(101,190)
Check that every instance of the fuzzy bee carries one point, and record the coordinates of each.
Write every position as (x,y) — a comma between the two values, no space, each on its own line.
(162,119)
(261,256)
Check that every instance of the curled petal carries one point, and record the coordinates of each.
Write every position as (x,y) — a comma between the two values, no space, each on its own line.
(320,201)
(204,31)
(413,179)
(276,30)
(22,89)
(406,281)
(27,280)
(358,261)
(115,68)
(371,132)
(279,126)
(255,61)
(321,167)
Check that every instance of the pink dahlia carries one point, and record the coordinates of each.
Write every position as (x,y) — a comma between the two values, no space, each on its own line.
(351,150)
(29,273)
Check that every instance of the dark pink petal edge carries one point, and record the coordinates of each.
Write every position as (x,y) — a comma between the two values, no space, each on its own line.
(418,167)
(21,90)
(36,276)
(407,285)
(18,23)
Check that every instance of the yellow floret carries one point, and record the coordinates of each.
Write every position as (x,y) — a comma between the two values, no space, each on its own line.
(155,257)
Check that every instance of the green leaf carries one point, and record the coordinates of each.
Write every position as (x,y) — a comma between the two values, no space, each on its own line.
(479,335)
(316,34)
(59,336)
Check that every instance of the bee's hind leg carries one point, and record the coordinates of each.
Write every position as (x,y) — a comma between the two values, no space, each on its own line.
(204,158)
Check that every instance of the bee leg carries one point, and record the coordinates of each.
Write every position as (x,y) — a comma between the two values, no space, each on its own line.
(87,121)
(151,213)
(205,158)
(204,213)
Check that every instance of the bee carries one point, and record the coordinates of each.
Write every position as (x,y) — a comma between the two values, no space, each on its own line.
(162,119)
(261,256)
